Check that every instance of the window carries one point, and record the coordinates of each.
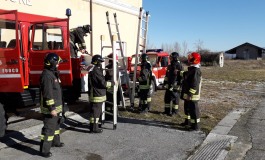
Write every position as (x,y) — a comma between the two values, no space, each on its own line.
(164,61)
(7,34)
(47,37)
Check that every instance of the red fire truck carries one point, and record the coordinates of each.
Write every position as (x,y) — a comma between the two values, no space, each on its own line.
(159,60)
(24,41)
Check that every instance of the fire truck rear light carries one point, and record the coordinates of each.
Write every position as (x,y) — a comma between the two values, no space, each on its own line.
(124,86)
(154,50)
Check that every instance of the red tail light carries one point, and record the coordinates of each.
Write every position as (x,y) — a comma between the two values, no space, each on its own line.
(129,65)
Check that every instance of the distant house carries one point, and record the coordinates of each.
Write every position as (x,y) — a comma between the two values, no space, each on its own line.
(247,51)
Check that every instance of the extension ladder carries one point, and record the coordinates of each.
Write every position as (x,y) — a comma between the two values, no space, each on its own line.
(120,47)
(140,45)
(115,87)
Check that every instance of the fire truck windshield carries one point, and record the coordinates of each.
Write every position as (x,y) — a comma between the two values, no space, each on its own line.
(152,58)
(47,37)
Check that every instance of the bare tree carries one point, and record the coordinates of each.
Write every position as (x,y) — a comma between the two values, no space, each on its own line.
(185,48)
(150,45)
(177,47)
(198,45)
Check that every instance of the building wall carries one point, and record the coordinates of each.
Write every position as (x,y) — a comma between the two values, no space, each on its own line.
(127,16)
(247,52)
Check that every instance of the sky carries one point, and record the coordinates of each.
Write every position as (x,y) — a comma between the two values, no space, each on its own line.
(219,25)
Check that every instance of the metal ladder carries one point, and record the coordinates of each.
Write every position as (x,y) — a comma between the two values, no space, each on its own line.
(140,44)
(115,87)
(120,47)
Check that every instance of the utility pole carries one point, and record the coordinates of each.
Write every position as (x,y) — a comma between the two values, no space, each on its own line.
(91,24)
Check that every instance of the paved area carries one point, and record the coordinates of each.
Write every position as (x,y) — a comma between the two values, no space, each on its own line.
(250,130)
(133,139)
(238,136)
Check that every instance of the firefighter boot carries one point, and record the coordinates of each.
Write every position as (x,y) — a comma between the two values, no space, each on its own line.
(56,141)
(167,111)
(96,129)
(144,109)
(174,111)
(185,123)
(46,155)
(148,106)
(195,127)
(91,127)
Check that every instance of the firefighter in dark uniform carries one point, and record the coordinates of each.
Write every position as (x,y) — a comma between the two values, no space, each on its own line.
(191,90)
(109,77)
(77,43)
(172,83)
(186,123)
(145,80)
(97,92)
(51,104)
(77,36)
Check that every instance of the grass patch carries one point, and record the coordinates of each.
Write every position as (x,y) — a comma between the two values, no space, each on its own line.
(223,90)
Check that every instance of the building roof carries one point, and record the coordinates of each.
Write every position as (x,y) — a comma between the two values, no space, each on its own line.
(233,50)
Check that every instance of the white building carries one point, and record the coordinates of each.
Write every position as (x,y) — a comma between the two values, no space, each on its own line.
(91,12)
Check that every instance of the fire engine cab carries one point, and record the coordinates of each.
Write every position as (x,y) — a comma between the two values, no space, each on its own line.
(25,39)
(159,60)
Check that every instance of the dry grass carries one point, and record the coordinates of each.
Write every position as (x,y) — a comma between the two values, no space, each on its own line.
(236,85)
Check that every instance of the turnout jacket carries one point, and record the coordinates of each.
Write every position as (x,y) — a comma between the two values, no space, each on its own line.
(50,92)
(145,77)
(77,36)
(192,83)
(97,85)
(173,79)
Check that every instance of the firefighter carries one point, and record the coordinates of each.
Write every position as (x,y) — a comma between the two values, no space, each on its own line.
(145,79)
(97,92)
(191,90)
(77,36)
(109,77)
(186,122)
(51,104)
(172,83)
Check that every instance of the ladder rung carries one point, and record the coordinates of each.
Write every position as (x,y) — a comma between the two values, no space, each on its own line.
(142,45)
(113,24)
(109,102)
(143,37)
(106,46)
(108,113)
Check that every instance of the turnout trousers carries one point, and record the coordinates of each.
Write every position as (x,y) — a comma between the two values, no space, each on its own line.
(173,96)
(194,114)
(186,113)
(95,112)
(50,134)
(145,100)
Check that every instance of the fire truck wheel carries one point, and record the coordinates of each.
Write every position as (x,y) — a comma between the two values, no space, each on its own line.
(152,88)
(2,120)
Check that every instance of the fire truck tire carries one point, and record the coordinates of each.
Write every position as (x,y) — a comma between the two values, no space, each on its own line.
(2,120)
